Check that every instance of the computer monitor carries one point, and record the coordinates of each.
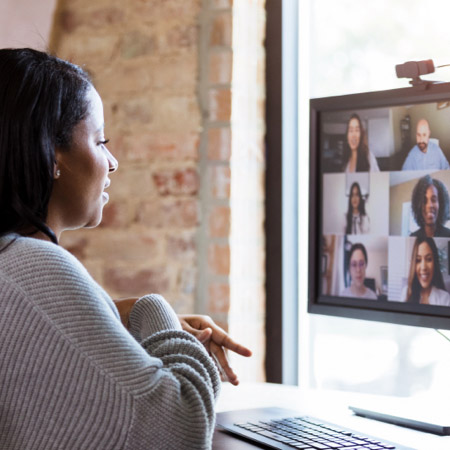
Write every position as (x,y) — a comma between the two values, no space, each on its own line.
(379,206)
(379,230)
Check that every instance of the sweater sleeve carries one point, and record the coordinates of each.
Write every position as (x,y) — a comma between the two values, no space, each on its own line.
(84,381)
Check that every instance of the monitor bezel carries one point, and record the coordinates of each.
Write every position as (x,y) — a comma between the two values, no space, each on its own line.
(390,312)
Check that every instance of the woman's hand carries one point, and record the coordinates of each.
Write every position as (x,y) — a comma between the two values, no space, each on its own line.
(124,305)
(216,342)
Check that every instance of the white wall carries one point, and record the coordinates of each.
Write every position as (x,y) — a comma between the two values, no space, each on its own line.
(26,23)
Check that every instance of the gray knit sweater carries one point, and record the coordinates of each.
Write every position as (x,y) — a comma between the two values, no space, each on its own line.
(72,377)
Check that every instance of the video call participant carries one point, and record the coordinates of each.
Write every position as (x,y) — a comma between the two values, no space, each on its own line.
(425,154)
(358,264)
(430,207)
(425,283)
(357,220)
(357,156)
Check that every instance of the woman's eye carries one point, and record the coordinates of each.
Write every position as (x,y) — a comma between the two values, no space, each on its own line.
(104,142)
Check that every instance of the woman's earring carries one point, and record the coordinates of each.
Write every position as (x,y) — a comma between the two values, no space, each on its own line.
(57,173)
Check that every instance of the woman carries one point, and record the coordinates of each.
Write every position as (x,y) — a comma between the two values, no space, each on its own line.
(72,375)
(430,208)
(357,261)
(357,221)
(425,283)
(357,156)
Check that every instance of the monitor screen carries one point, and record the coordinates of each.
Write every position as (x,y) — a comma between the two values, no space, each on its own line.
(379,206)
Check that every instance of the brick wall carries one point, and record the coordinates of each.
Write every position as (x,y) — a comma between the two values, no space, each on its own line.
(183,110)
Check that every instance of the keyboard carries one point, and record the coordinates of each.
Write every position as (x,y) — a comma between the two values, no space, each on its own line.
(302,432)
(307,433)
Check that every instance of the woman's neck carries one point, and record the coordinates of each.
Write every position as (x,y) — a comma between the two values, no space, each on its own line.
(353,160)
(425,296)
(430,230)
(358,291)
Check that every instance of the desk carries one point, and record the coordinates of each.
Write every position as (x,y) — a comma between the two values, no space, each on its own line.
(327,405)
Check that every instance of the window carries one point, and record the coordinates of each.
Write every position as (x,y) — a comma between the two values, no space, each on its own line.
(353,47)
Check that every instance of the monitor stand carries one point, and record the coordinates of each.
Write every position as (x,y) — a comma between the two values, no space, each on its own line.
(409,412)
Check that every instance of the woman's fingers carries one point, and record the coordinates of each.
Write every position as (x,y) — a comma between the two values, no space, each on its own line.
(221,359)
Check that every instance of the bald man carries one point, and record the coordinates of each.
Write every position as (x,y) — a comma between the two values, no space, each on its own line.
(425,154)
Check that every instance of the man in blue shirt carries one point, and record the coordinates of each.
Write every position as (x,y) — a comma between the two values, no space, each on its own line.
(425,154)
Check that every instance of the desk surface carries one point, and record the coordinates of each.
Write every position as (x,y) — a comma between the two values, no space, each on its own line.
(326,405)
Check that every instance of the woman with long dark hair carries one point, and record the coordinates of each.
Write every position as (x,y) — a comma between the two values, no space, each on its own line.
(425,282)
(357,156)
(356,218)
(73,376)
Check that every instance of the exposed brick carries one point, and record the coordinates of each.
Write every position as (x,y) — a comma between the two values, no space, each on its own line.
(219,144)
(220,179)
(181,36)
(220,104)
(117,214)
(167,10)
(219,221)
(130,182)
(176,72)
(136,282)
(177,182)
(218,298)
(173,213)
(75,243)
(181,247)
(89,49)
(187,279)
(221,30)
(182,110)
(220,67)
(135,44)
(219,259)
(127,78)
(148,146)
(68,20)
(71,19)
(134,111)
(221,4)
(123,246)
(182,304)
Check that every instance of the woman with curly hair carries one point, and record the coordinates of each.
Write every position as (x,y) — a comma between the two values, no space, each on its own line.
(425,283)
(357,156)
(430,207)
(357,221)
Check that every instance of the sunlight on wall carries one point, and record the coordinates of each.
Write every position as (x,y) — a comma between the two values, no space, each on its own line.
(26,23)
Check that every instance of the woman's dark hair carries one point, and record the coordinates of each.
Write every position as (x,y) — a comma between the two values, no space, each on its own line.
(42,98)
(362,162)
(357,246)
(414,287)
(361,207)
(418,199)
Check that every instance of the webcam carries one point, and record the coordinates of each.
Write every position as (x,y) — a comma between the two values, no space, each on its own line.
(413,70)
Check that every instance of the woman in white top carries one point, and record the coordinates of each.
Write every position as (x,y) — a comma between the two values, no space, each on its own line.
(425,283)
(357,156)
(356,219)
(358,263)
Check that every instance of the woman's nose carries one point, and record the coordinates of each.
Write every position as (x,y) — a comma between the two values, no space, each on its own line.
(113,163)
